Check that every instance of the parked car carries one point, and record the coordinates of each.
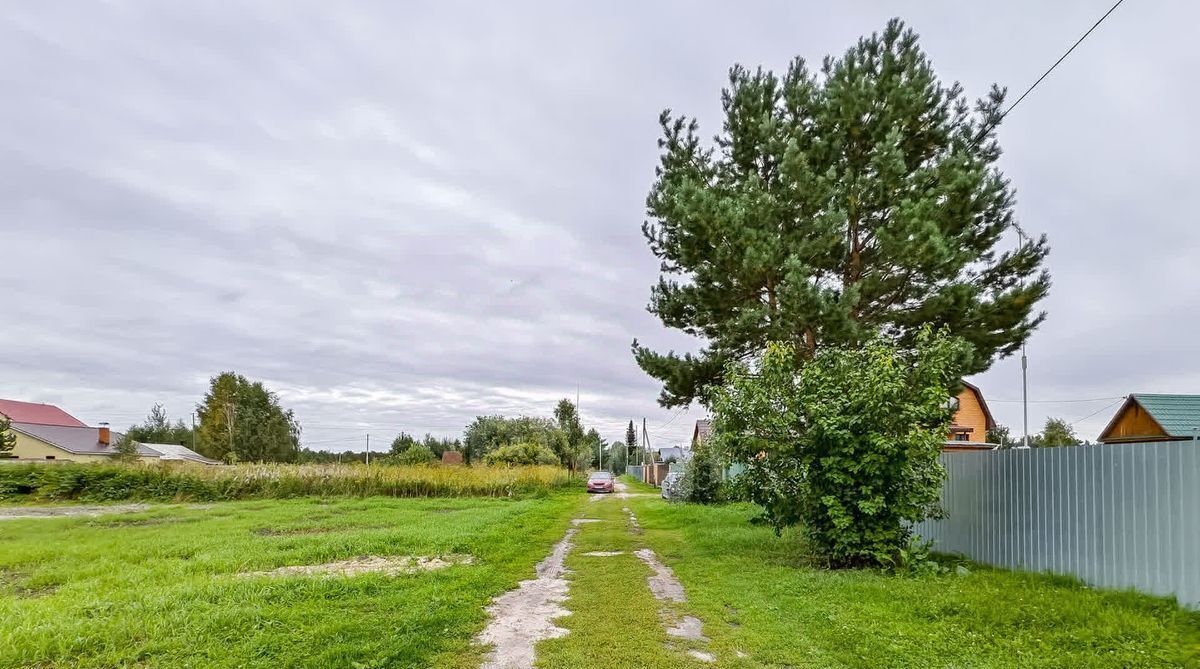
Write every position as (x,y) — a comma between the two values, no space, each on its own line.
(671,486)
(600,482)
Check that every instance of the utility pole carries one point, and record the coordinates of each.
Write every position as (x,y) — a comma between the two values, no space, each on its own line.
(193,430)
(368,449)
(1024,365)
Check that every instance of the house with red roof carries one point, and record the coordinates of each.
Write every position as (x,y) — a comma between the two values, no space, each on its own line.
(45,432)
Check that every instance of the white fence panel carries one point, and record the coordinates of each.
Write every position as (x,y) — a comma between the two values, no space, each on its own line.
(1116,515)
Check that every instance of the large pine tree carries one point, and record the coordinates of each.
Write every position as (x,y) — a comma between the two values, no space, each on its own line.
(862,199)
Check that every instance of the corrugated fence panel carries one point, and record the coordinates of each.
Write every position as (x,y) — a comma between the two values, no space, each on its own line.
(1117,515)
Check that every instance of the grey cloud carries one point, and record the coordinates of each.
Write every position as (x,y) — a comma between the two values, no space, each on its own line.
(402,215)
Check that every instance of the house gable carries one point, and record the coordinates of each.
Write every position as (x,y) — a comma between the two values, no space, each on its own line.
(972,420)
(1145,417)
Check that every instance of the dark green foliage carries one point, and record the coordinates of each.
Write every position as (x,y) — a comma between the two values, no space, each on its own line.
(126,448)
(849,447)
(158,429)
(630,442)
(1000,435)
(864,198)
(1056,432)
(525,453)
(417,454)
(8,440)
(616,457)
(402,442)
(241,421)
(487,433)
(702,476)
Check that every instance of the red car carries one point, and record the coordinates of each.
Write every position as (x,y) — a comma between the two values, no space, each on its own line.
(600,482)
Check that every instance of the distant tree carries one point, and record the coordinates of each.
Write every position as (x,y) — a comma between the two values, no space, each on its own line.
(8,440)
(440,445)
(864,198)
(524,453)
(702,476)
(158,429)
(617,458)
(417,454)
(487,433)
(630,442)
(402,442)
(1057,432)
(242,421)
(1000,435)
(575,448)
(126,448)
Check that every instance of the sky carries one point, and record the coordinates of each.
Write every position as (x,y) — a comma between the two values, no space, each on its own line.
(404,215)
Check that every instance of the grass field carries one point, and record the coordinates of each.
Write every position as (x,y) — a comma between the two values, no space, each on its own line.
(157,589)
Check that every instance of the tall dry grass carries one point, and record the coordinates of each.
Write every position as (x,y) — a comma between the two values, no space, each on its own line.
(182,482)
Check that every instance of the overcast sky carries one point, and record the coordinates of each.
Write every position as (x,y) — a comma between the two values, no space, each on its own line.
(401,215)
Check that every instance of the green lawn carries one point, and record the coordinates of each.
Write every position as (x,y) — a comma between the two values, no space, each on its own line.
(155,589)
(759,597)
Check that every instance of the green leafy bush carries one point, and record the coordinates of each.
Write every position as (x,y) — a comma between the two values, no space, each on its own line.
(417,454)
(525,453)
(701,482)
(848,445)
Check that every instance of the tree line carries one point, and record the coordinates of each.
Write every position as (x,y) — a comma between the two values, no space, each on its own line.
(243,421)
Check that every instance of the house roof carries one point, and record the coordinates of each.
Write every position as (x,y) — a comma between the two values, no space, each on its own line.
(39,414)
(78,440)
(179,452)
(1177,415)
(703,429)
(670,452)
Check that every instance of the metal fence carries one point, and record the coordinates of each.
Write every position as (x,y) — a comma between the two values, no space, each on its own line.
(1116,515)
(635,471)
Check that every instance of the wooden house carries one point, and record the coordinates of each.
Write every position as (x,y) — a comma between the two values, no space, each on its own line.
(972,420)
(1150,417)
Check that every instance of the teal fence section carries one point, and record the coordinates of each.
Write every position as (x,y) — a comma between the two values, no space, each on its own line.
(1113,515)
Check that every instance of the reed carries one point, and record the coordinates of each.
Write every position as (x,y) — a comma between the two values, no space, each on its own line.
(185,482)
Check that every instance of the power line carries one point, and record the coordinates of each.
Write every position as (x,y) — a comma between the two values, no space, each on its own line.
(1060,60)
(1091,399)
(1107,406)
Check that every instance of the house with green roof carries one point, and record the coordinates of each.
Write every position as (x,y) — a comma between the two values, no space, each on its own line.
(1150,417)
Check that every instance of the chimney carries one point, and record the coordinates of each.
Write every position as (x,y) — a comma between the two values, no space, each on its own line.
(105,434)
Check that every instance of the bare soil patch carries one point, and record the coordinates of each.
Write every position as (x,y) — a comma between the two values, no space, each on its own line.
(662,582)
(604,553)
(583,521)
(374,564)
(24,512)
(525,616)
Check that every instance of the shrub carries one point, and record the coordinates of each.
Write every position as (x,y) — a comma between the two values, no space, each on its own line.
(849,445)
(183,482)
(525,453)
(702,477)
(417,454)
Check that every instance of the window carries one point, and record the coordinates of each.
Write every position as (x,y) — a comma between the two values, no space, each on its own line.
(952,404)
(49,457)
(961,436)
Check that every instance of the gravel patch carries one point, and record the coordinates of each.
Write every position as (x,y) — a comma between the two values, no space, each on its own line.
(689,628)
(604,553)
(525,616)
(583,521)
(389,566)
(662,582)
(23,512)
(703,656)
